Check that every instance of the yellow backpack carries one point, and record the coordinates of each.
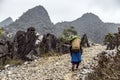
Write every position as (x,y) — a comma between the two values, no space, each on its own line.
(76,43)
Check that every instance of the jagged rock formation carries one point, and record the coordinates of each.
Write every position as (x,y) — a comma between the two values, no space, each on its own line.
(36,17)
(91,25)
(6,22)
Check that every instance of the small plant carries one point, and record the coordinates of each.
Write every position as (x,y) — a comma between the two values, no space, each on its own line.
(67,32)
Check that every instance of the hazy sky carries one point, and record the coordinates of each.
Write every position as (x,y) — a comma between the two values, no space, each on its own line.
(63,10)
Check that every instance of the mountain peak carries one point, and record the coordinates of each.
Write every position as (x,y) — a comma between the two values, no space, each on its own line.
(90,17)
(6,22)
(37,17)
(10,18)
(89,14)
(38,12)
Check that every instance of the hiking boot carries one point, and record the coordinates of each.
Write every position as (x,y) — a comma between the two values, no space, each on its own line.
(77,69)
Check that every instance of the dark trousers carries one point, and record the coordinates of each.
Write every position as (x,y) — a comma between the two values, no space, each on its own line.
(75,64)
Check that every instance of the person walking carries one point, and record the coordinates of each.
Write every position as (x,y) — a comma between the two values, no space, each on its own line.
(75,52)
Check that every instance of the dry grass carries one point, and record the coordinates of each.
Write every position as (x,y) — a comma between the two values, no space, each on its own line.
(14,62)
(107,69)
(11,62)
(52,53)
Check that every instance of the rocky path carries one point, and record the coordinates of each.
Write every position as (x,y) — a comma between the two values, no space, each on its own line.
(53,68)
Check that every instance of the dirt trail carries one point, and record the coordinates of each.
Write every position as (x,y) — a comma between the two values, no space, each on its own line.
(87,62)
(52,68)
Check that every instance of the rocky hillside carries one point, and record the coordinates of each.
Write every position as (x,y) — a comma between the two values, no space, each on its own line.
(91,25)
(53,68)
(37,17)
(6,22)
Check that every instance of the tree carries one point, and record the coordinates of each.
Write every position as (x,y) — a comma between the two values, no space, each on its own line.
(67,32)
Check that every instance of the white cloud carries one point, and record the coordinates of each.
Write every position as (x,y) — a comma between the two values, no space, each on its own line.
(64,10)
